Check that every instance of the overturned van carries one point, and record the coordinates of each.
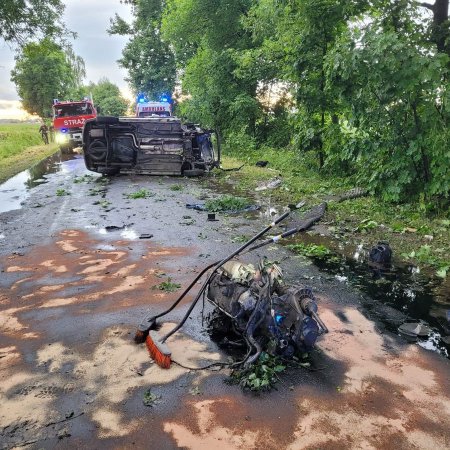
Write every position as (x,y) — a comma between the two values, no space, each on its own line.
(150,146)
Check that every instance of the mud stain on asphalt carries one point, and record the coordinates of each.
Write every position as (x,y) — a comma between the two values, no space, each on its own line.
(209,434)
(95,274)
(10,324)
(68,366)
(44,381)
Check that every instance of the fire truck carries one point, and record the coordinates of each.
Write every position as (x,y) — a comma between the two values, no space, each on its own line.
(68,121)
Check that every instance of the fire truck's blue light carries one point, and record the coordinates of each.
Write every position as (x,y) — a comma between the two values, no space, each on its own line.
(164,99)
(141,100)
(64,130)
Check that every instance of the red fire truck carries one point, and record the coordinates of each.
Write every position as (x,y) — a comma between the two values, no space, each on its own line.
(68,121)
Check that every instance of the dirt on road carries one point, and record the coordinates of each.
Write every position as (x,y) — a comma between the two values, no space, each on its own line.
(76,280)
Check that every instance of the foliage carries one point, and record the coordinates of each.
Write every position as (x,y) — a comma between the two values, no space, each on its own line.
(61,192)
(45,71)
(311,250)
(260,376)
(147,57)
(226,203)
(167,286)
(107,95)
(357,89)
(206,55)
(84,179)
(21,21)
(150,399)
(142,193)
(395,117)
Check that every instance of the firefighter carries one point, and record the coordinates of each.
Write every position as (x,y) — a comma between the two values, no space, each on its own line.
(43,130)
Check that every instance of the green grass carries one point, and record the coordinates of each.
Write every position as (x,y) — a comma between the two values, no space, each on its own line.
(226,203)
(21,147)
(142,193)
(363,220)
(167,286)
(312,250)
(16,137)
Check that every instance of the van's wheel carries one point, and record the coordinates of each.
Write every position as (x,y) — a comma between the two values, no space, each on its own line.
(107,120)
(193,173)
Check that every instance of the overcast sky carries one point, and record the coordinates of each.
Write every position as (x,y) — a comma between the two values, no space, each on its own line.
(89,19)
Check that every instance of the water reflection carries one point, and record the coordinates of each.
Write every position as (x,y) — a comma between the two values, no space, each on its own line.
(15,191)
(405,288)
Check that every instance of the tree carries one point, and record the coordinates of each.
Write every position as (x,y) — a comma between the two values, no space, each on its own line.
(21,20)
(107,95)
(440,29)
(147,57)
(207,39)
(43,72)
(395,117)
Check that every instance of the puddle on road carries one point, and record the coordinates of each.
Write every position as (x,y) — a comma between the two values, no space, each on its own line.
(124,232)
(404,288)
(16,190)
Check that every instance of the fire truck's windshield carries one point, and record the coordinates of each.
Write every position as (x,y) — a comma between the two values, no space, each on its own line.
(79,109)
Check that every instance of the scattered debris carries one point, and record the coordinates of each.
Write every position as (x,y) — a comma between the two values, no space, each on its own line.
(381,254)
(233,169)
(145,236)
(196,206)
(271,184)
(150,399)
(212,217)
(261,163)
(227,204)
(142,193)
(187,222)
(110,228)
(167,286)
(413,330)
(351,194)
(195,391)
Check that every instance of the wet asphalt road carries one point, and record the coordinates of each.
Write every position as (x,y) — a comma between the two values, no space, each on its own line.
(76,280)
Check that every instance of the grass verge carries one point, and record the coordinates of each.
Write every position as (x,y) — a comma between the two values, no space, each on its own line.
(415,236)
(20,148)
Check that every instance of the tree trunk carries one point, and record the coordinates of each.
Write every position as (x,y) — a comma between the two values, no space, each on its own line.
(441,28)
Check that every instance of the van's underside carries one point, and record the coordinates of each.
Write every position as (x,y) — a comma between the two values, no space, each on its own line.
(151,146)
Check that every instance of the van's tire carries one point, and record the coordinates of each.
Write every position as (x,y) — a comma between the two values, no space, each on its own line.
(107,120)
(193,173)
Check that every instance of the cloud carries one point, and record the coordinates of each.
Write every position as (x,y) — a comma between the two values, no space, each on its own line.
(12,109)
(90,20)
